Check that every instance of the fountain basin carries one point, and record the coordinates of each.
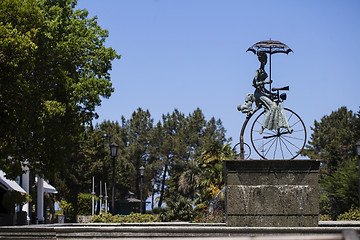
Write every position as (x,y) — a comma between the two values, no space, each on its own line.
(272,193)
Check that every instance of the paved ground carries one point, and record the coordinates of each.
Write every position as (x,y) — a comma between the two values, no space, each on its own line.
(326,231)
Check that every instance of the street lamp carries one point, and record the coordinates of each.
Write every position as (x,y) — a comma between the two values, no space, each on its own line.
(113,151)
(142,171)
(357,145)
(152,194)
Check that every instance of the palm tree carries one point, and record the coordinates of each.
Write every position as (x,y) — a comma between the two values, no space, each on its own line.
(211,173)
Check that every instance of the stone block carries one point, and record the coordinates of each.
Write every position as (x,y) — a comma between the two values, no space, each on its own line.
(272,193)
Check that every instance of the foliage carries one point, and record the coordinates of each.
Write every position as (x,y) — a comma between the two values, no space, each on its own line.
(54,69)
(325,217)
(167,149)
(85,202)
(211,178)
(352,215)
(68,209)
(11,198)
(210,217)
(90,159)
(333,141)
(182,141)
(177,208)
(132,218)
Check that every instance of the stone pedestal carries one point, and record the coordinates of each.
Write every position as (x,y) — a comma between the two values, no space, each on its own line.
(272,193)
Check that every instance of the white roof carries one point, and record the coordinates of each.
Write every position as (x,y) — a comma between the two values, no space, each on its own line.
(10,184)
(48,188)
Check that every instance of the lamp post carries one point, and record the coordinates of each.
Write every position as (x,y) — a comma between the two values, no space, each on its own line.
(93,197)
(113,151)
(357,145)
(142,171)
(152,194)
(106,199)
(100,196)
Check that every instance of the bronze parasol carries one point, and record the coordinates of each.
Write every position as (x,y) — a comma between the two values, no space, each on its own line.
(270,47)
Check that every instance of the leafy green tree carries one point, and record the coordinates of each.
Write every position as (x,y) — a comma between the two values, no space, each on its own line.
(211,172)
(333,142)
(140,127)
(172,147)
(177,208)
(85,203)
(135,139)
(90,159)
(118,133)
(54,67)
(183,142)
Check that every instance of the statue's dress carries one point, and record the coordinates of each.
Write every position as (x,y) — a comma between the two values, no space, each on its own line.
(275,117)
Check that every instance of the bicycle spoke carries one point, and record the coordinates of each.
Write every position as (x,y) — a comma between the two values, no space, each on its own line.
(287,148)
(301,130)
(291,143)
(295,138)
(295,123)
(292,114)
(263,145)
(277,140)
(282,152)
(273,141)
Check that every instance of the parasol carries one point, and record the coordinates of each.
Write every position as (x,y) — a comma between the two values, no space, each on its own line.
(269,47)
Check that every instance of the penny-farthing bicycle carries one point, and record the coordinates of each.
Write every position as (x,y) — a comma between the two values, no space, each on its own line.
(271,143)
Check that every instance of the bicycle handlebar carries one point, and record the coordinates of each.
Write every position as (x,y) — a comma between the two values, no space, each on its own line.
(279,89)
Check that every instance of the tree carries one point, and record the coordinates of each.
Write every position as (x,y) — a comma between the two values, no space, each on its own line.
(89,159)
(211,177)
(171,145)
(333,141)
(140,127)
(184,139)
(118,133)
(54,67)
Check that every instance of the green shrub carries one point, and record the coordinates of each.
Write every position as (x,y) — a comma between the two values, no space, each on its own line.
(132,218)
(68,210)
(352,215)
(179,208)
(13,197)
(210,217)
(104,218)
(85,202)
(140,218)
(66,207)
(325,217)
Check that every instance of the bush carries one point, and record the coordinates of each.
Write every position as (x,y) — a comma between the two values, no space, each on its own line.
(66,207)
(13,197)
(179,208)
(132,218)
(210,217)
(84,203)
(352,215)
(104,218)
(325,217)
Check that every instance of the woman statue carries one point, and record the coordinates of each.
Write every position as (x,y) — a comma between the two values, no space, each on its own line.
(274,111)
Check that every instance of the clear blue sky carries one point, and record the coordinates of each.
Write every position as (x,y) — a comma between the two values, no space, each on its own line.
(186,54)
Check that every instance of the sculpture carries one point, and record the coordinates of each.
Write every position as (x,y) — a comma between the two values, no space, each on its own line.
(276,132)
(275,117)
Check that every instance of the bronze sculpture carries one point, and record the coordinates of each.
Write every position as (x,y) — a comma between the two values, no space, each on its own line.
(275,136)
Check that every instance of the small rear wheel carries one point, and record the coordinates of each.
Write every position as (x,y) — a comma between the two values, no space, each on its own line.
(241,149)
(281,143)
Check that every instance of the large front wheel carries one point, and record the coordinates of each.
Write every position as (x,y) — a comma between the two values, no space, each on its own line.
(281,143)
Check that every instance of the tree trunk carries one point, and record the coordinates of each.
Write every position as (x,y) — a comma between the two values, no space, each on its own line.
(163,186)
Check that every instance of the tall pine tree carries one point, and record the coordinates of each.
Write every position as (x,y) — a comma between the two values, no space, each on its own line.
(333,142)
